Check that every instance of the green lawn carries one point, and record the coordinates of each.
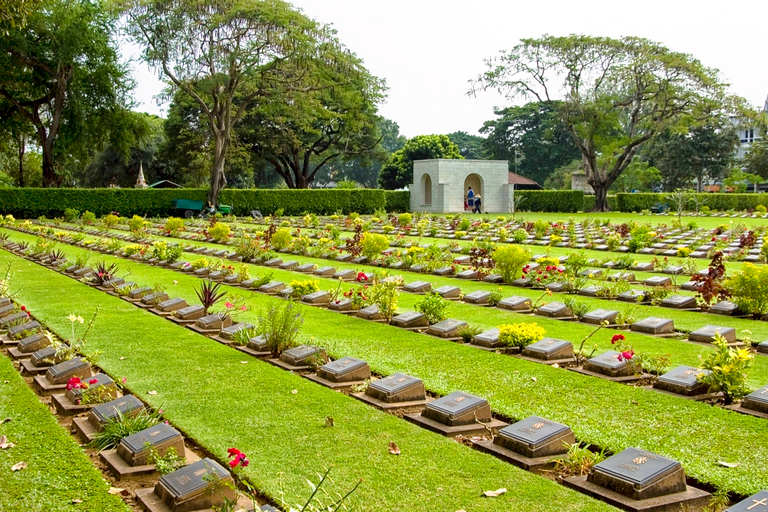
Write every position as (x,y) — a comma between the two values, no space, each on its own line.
(58,471)
(222,398)
(603,413)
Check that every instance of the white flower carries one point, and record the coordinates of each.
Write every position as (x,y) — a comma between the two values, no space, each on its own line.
(72,317)
(80,319)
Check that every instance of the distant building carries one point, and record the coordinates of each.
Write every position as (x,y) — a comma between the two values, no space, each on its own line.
(748,135)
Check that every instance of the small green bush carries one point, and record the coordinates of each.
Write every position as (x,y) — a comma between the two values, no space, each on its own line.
(520,335)
(373,244)
(510,259)
(110,221)
(749,288)
(88,217)
(70,214)
(434,307)
(301,288)
(727,368)
(404,219)
(219,231)
(174,224)
(281,239)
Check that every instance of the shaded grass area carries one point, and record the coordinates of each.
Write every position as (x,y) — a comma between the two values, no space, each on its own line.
(58,471)
(607,414)
(222,398)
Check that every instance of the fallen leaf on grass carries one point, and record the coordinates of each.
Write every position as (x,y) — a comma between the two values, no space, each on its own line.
(243,362)
(534,379)
(294,391)
(728,464)
(153,392)
(6,381)
(633,402)
(393,448)
(328,421)
(4,443)
(18,466)
(493,494)
(77,501)
(118,491)
(6,420)
(122,358)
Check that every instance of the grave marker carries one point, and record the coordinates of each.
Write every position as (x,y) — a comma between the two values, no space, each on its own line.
(683,380)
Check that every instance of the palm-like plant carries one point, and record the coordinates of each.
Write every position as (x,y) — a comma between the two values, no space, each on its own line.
(104,272)
(209,294)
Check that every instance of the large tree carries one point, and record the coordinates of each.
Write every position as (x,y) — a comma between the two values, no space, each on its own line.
(705,152)
(532,138)
(228,55)
(398,171)
(756,159)
(471,147)
(617,94)
(61,75)
(330,114)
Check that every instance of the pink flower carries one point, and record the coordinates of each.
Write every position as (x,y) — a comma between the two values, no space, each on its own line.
(228,305)
(93,381)
(123,380)
(243,307)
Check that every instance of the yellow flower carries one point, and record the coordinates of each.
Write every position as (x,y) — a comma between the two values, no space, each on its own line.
(72,317)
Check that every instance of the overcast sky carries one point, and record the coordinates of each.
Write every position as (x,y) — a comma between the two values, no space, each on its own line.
(427,50)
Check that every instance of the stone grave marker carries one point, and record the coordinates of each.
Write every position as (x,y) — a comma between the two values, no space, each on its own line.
(133,450)
(62,372)
(757,400)
(654,325)
(622,276)
(286,292)
(763,347)
(346,369)
(535,437)
(40,357)
(639,474)
(318,297)
(591,291)
(325,271)
(479,297)
(643,267)
(371,312)
(608,363)
(448,328)
(683,380)
(17,331)
(449,292)
(458,409)
(154,298)
(444,271)
(231,332)
(417,287)
(345,275)
(599,316)
(171,305)
(724,307)
(679,302)
(190,312)
(516,303)
(594,272)
(360,260)
(488,339)
(127,406)
(7,310)
(494,278)
(186,489)
(33,343)
(755,503)
(658,281)
(138,293)
(468,274)
(306,268)
(8,319)
(419,267)
(303,355)
(341,305)
(549,349)
(522,282)
(673,270)
(410,320)
(554,310)
(274,262)
(272,287)
(707,334)
(633,296)
(213,322)
(101,381)
(289,265)
(343,257)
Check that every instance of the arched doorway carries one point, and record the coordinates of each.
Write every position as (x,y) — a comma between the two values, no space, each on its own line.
(426,186)
(476,182)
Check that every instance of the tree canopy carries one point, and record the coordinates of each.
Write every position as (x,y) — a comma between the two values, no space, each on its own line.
(617,94)
(398,171)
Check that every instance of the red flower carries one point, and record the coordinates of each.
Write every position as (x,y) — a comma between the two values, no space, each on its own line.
(23,308)
(239,458)
(626,355)
(93,381)
(617,337)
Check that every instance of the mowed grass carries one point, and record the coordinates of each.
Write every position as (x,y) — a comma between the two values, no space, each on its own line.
(603,413)
(59,475)
(223,398)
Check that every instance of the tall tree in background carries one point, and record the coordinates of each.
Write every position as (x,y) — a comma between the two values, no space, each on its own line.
(398,171)
(471,147)
(532,138)
(617,94)
(705,152)
(229,55)
(329,114)
(61,74)
(756,159)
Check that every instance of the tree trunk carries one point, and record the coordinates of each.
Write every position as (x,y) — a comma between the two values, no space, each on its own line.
(218,178)
(49,171)
(601,198)
(22,149)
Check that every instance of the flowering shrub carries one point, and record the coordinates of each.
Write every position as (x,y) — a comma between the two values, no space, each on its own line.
(219,231)
(281,239)
(434,307)
(520,335)
(110,220)
(510,260)
(749,288)
(301,288)
(358,297)
(727,368)
(173,225)
(385,293)
(373,244)
(405,218)
(238,458)
(88,217)
(136,225)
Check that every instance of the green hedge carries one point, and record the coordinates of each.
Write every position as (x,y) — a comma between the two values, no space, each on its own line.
(51,202)
(398,201)
(720,202)
(567,201)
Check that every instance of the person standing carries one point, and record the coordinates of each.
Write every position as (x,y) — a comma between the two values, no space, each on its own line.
(478,201)
(470,198)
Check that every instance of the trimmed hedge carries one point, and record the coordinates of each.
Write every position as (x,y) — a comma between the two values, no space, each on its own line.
(398,201)
(637,202)
(51,202)
(566,201)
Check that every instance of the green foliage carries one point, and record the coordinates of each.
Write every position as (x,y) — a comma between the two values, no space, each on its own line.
(280,324)
(749,288)
(727,368)
(167,463)
(569,201)
(281,239)
(301,288)
(398,171)
(110,221)
(71,214)
(373,244)
(385,293)
(510,259)
(577,461)
(118,427)
(434,307)
(219,231)
(88,217)
(174,224)
(136,224)
(717,202)
(404,219)
(521,334)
